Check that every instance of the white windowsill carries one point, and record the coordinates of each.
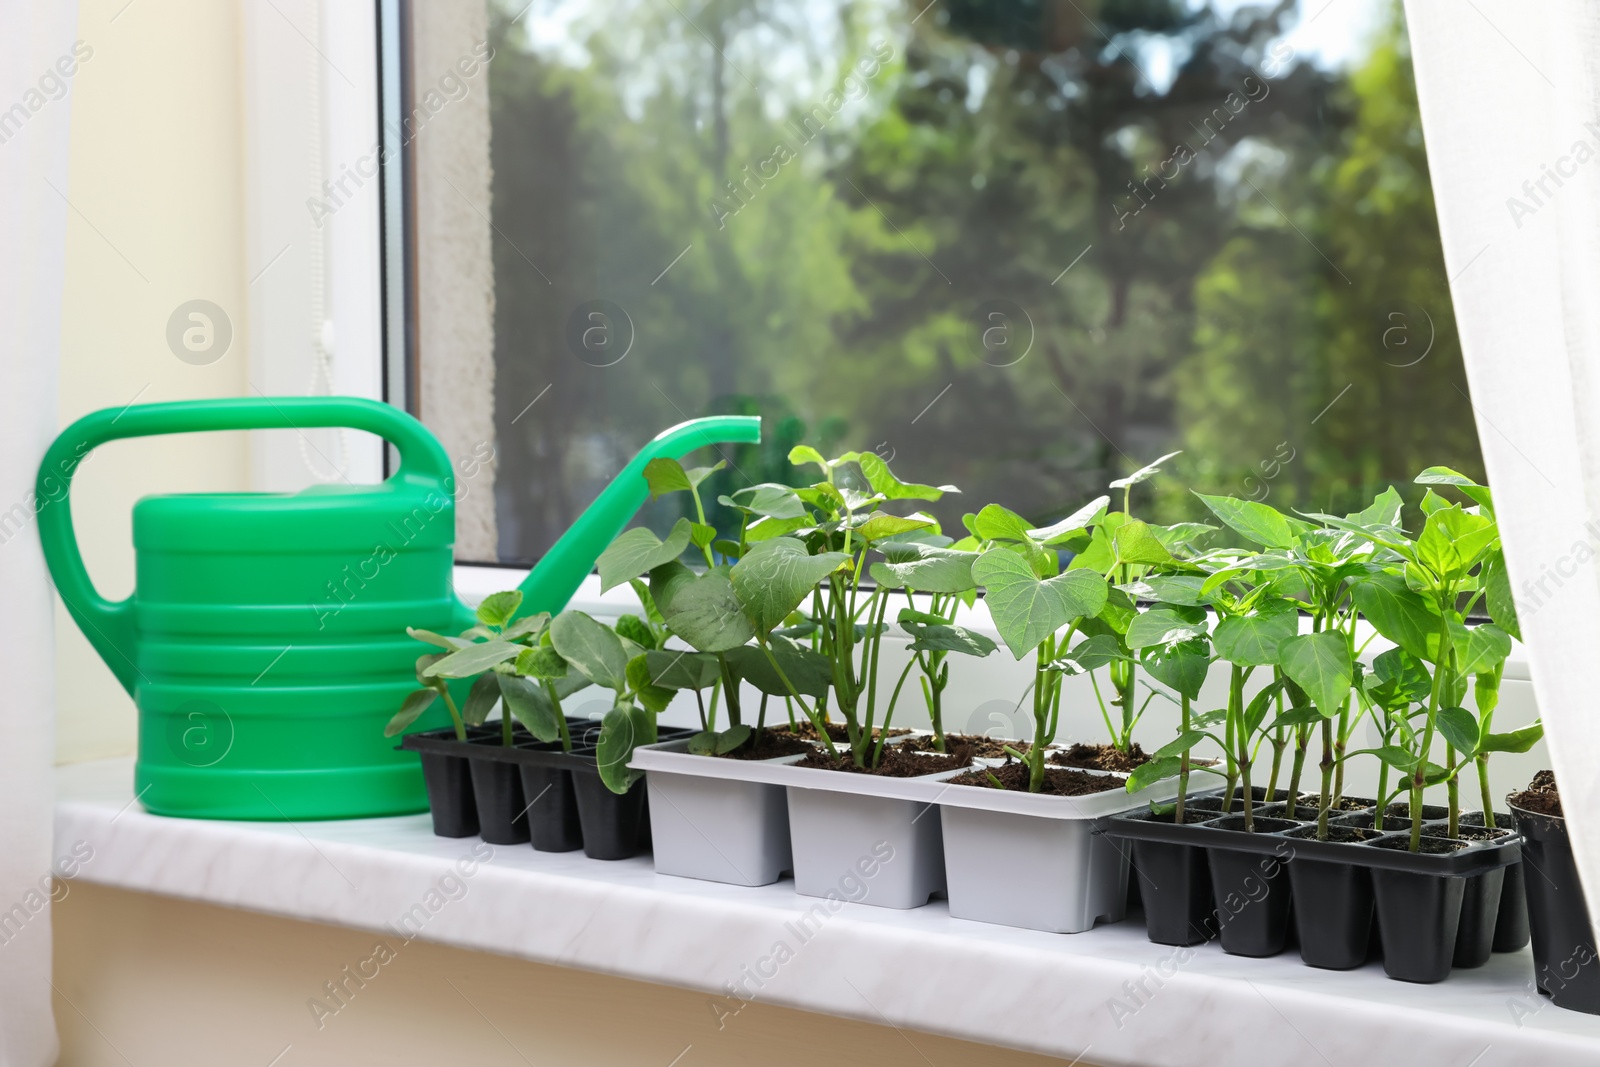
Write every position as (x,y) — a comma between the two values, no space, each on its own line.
(921,969)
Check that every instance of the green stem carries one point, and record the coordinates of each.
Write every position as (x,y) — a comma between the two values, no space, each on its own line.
(883,734)
(1242,736)
(455,713)
(807,712)
(730,686)
(1302,740)
(1453,790)
(1183,761)
(561,716)
(1325,799)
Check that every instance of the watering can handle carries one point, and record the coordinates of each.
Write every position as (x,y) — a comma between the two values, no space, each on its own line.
(110,626)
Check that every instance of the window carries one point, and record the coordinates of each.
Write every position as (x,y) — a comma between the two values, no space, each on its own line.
(1024,246)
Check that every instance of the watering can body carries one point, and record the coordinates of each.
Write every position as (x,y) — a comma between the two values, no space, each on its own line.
(265,642)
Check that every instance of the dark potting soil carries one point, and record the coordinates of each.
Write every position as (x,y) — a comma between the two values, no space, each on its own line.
(897,762)
(1351,835)
(1541,797)
(1190,816)
(1480,833)
(1057,782)
(1101,757)
(982,747)
(1431,846)
(768,744)
(1342,804)
(836,731)
(1260,824)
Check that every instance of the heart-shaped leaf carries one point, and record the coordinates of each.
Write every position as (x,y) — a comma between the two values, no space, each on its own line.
(1136,542)
(1027,609)
(1253,640)
(701,609)
(810,672)
(768,499)
(883,525)
(931,570)
(639,551)
(775,577)
(1182,666)
(995,523)
(1160,626)
(666,475)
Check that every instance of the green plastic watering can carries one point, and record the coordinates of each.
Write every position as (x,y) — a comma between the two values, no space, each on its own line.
(265,642)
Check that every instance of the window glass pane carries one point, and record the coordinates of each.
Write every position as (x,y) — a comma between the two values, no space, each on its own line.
(1024,246)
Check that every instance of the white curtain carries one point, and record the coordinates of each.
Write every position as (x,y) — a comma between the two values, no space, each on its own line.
(34,111)
(1510,95)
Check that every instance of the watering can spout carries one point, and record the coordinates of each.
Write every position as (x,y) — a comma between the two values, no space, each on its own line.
(562,569)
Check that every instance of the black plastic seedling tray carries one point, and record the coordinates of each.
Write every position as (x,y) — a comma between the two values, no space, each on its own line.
(1434,908)
(1475,858)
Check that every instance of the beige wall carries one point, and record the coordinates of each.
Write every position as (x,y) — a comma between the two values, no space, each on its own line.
(157,197)
(148,979)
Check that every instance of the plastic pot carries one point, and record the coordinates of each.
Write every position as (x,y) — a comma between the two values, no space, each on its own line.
(553,824)
(1565,966)
(1511,921)
(1480,911)
(1060,873)
(1251,891)
(1175,887)
(497,791)
(447,775)
(838,837)
(611,822)
(1418,912)
(720,820)
(1416,897)
(1511,924)
(1332,905)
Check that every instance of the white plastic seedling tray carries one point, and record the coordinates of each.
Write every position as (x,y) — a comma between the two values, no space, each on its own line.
(859,837)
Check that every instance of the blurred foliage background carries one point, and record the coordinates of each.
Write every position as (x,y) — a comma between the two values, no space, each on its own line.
(1024,246)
